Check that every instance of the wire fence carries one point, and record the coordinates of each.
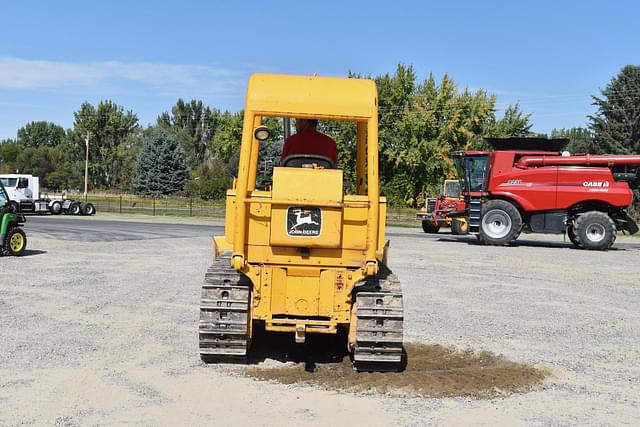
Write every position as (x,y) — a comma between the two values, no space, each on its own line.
(188,206)
(154,206)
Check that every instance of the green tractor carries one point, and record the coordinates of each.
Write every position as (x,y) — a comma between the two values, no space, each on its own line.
(13,241)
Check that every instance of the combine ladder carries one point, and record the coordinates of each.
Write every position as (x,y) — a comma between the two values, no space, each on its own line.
(475,213)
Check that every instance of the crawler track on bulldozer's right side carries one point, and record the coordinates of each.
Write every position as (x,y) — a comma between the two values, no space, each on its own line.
(379,324)
(224,311)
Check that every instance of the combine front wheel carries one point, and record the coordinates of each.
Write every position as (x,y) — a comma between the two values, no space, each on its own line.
(595,231)
(501,223)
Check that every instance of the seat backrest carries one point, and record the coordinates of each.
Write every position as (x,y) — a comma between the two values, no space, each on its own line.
(307,160)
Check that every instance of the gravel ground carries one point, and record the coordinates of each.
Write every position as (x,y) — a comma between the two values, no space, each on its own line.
(105,333)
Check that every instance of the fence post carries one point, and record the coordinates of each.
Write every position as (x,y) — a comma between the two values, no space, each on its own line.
(121,203)
(191,206)
(154,206)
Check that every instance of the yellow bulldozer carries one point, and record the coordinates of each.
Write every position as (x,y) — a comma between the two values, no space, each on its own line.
(305,256)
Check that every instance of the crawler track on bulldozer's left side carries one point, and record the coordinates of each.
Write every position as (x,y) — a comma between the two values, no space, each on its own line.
(379,324)
(224,311)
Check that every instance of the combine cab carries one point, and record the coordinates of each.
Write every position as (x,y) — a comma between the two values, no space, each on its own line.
(304,256)
(445,210)
(528,185)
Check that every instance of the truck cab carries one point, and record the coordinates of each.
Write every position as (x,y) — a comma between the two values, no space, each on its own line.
(22,190)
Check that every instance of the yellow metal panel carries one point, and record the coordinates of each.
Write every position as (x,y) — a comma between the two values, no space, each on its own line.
(279,291)
(301,185)
(312,96)
(229,216)
(303,271)
(307,184)
(381,228)
(355,224)
(259,223)
(302,295)
(326,293)
(320,257)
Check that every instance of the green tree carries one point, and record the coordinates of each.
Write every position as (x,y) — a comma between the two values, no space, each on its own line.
(616,124)
(225,145)
(40,162)
(9,152)
(36,134)
(108,127)
(580,140)
(513,123)
(161,165)
(208,181)
(194,126)
(418,135)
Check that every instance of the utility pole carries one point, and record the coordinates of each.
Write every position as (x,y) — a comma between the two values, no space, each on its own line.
(86,165)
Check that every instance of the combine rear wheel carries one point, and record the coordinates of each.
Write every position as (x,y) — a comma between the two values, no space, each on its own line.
(595,231)
(500,224)
(379,319)
(459,226)
(224,313)
(429,227)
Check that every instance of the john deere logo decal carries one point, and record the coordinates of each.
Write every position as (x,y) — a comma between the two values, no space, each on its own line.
(304,221)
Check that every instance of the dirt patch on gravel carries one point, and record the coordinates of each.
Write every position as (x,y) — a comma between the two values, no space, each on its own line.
(431,370)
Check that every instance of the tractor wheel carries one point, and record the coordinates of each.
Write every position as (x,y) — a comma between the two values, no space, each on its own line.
(429,227)
(595,231)
(56,208)
(74,209)
(571,232)
(459,227)
(14,206)
(16,241)
(501,223)
(88,209)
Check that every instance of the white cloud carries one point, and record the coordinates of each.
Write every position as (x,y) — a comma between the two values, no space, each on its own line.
(16,73)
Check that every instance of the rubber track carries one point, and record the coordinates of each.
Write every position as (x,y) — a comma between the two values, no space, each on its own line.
(224,311)
(379,324)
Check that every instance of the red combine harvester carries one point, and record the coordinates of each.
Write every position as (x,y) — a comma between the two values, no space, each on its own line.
(528,185)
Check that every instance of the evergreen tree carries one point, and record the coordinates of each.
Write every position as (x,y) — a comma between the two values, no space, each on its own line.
(580,140)
(161,166)
(616,124)
(513,123)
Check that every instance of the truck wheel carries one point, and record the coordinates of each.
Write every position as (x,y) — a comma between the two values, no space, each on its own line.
(459,227)
(88,209)
(16,241)
(595,231)
(501,223)
(14,206)
(571,232)
(56,208)
(429,227)
(74,209)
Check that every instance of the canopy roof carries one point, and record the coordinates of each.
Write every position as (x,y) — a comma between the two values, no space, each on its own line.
(312,97)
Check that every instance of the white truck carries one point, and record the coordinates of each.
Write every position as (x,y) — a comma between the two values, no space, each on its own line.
(24,196)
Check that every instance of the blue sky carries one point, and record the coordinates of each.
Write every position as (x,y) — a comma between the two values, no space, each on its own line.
(548,56)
